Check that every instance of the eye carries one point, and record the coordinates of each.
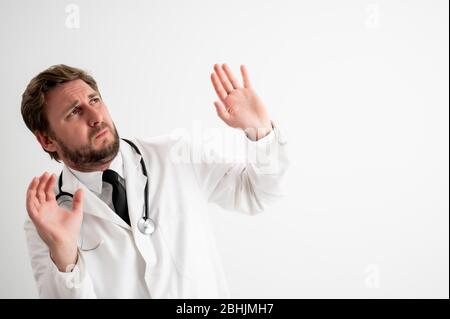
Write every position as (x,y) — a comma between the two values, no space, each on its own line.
(75,110)
(95,100)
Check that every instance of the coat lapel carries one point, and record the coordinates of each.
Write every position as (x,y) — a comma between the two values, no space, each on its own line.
(135,182)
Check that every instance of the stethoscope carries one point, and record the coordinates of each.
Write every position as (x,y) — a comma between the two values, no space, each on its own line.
(145,224)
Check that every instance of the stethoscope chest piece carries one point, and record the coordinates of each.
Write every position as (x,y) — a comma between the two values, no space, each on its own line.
(146,226)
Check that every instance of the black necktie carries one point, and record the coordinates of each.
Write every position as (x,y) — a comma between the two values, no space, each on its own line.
(119,195)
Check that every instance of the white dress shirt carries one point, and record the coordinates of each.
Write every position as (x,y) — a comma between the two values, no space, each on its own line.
(95,183)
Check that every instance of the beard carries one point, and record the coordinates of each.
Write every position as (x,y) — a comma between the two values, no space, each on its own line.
(86,156)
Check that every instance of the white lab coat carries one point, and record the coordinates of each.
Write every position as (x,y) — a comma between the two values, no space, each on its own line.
(180,259)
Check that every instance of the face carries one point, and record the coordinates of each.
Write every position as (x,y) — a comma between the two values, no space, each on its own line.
(83,133)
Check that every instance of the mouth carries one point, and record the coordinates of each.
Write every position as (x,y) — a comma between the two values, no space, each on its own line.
(102,133)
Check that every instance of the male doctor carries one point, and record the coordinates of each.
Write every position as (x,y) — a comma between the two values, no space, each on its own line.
(129,218)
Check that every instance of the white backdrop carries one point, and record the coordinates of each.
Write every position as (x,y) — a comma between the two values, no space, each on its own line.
(359,89)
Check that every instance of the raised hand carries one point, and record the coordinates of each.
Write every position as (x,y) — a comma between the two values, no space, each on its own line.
(239,106)
(58,227)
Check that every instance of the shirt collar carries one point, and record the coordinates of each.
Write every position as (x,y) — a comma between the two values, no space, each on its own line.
(93,180)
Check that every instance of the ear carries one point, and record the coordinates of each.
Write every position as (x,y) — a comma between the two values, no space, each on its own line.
(46,142)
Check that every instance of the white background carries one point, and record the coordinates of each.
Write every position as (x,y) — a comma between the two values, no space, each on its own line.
(359,89)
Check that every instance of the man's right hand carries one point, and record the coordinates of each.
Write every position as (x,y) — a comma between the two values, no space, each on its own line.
(58,227)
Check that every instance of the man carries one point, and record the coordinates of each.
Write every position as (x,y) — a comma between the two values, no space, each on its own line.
(128,219)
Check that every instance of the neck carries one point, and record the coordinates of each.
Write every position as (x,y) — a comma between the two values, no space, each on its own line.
(89,168)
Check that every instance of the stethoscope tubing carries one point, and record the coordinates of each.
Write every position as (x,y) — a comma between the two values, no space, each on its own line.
(145,224)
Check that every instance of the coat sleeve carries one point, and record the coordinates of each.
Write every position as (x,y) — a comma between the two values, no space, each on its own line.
(51,283)
(249,186)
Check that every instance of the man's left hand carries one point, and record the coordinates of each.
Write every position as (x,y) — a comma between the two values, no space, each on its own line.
(239,106)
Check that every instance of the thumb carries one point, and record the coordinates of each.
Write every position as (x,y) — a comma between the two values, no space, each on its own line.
(77,204)
(222,111)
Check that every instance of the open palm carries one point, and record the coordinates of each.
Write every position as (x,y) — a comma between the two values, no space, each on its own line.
(239,106)
(55,225)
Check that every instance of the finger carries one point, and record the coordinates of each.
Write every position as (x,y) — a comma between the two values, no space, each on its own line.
(223,78)
(32,187)
(31,201)
(230,76)
(32,208)
(245,77)
(222,111)
(50,194)
(40,190)
(77,203)
(218,87)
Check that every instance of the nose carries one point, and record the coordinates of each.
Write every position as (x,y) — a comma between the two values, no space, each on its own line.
(95,116)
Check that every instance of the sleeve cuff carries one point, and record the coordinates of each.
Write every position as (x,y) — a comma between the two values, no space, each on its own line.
(73,278)
(265,153)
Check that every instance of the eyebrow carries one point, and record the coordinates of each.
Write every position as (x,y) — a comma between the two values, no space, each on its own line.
(74,103)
